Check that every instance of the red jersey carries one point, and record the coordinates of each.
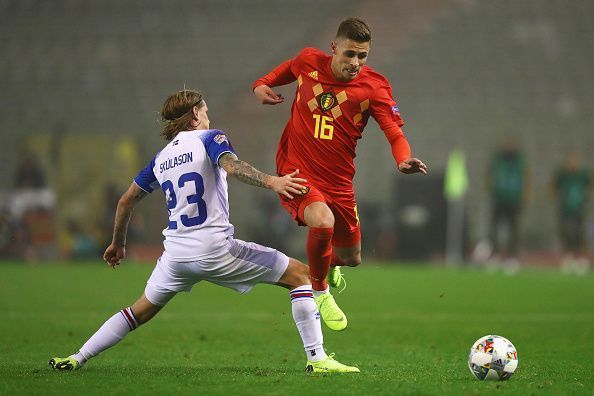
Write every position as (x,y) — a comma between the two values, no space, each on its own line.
(328,117)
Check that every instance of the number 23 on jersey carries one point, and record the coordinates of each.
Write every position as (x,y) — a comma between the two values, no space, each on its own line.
(194,199)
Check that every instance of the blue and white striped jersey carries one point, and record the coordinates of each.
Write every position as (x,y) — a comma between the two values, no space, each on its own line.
(195,190)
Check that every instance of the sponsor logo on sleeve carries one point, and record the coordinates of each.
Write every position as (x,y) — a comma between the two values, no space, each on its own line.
(220,138)
(395,110)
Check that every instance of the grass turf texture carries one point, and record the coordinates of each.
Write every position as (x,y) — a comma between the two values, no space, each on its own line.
(409,331)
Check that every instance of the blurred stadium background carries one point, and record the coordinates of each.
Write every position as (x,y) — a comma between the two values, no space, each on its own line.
(82,82)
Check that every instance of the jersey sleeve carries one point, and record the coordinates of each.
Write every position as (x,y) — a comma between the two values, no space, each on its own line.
(216,144)
(280,75)
(385,111)
(286,72)
(146,179)
(384,108)
(398,143)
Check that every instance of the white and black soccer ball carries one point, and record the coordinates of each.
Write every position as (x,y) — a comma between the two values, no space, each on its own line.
(493,357)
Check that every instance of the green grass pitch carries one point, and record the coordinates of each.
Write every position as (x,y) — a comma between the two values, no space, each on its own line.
(409,331)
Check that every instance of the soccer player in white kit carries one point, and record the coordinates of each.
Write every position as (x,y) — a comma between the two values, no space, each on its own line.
(199,245)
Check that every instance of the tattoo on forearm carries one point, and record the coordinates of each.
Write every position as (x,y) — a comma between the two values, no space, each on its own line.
(120,228)
(244,171)
(123,215)
(249,175)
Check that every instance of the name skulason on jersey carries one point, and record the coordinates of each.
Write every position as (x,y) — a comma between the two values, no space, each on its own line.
(170,163)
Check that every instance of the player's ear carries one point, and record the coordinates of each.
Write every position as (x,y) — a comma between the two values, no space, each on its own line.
(333,46)
(195,113)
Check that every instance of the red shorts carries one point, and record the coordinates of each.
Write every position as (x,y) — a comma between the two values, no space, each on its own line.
(347,230)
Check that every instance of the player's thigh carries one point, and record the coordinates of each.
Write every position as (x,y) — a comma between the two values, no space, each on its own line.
(318,214)
(299,203)
(245,265)
(296,274)
(167,279)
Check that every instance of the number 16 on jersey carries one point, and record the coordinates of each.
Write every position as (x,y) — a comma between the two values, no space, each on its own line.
(324,128)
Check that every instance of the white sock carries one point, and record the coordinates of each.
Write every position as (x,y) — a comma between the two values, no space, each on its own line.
(317,293)
(112,331)
(307,319)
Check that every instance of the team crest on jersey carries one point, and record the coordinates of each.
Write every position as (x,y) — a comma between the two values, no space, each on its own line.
(327,101)
(220,138)
(395,110)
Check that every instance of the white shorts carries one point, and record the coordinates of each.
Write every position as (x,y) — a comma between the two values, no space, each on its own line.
(240,267)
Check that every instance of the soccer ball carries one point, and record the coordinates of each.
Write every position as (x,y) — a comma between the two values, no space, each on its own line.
(493,357)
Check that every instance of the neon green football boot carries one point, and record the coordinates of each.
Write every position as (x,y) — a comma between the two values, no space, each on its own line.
(64,364)
(336,279)
(329,365)
(332,315)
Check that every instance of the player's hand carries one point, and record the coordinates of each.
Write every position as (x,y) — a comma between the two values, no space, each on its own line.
(288,184)
(267,96)
(114,254)
(412,165)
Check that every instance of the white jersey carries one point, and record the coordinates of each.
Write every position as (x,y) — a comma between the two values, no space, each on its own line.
(195,187)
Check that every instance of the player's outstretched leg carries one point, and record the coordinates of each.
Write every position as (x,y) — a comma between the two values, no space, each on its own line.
(64,364)
(112,332)
(307,320)
(329,365)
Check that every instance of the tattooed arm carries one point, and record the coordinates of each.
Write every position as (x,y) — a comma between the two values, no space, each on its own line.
(117,250)
(247,174)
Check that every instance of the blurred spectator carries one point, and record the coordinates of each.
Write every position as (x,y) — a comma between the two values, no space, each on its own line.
(29,174)
(7,234)
(507,182)
(571,184)
(81,244)
(32,207)
(31,190)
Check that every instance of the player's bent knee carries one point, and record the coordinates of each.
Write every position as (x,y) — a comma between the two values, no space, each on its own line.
(318,215)
(144,310)
(321,222)
(352,261)
(303,275)
(296,274)
(325,222)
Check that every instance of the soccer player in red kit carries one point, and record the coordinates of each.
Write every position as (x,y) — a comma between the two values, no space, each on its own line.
(336,95)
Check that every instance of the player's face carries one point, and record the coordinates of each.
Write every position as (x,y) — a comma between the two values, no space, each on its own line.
(201,112)
(348,59)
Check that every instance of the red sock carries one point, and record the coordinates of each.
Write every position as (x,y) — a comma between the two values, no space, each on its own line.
(319,254)
(336,260)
